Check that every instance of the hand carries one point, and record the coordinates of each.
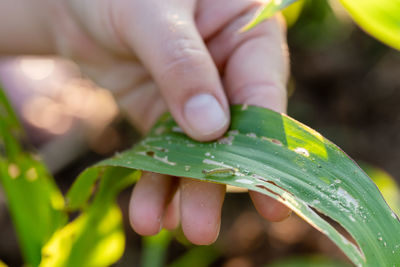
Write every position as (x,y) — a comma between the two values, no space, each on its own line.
(188,57)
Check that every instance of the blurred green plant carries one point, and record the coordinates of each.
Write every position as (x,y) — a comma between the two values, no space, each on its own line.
(29,189)
(386,184)
(155,249)
(198,256)
(40,213)
(379,18)
(96,237)
(318,26)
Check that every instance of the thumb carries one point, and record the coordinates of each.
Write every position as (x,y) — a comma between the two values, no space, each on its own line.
(167,42)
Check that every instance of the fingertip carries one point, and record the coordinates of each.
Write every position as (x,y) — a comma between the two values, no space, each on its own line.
(206,119)
(143,220)
(202,236)
(171,218)
(149,198)
(201,205)
(269,208)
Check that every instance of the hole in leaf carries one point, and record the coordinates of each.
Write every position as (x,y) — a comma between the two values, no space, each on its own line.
(272,140)
(277,142)
(273,183)
(150,153)
(269,190)
(338,227)
(270,182)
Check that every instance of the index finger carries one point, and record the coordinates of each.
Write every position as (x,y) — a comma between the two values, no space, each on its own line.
(256,70)
(255,63)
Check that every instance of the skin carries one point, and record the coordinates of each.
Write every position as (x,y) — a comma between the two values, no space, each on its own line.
(158,55)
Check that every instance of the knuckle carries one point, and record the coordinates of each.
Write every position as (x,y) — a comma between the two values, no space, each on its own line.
(183,57)
(269,27)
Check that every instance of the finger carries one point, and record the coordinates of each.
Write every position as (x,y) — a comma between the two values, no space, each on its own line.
(255,62)
(269,208)
(256,71)
(171,215)
(173,51)
(148,201)
(214,15)
(256,74)
(200,206)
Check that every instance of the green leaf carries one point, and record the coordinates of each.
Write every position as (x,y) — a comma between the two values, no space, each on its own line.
(35,203)
(275,155)
(106,241)
(267,11)
(292,12)
(83,188)
(2,264)
(96,237)
(380,18)
(80,192)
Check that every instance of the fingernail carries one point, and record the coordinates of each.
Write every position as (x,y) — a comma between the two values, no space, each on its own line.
(204,114)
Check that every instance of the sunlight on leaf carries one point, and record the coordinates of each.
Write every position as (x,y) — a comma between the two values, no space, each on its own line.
(106,245)
(380,18)
(292,12)
(304,140)
(96,237)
